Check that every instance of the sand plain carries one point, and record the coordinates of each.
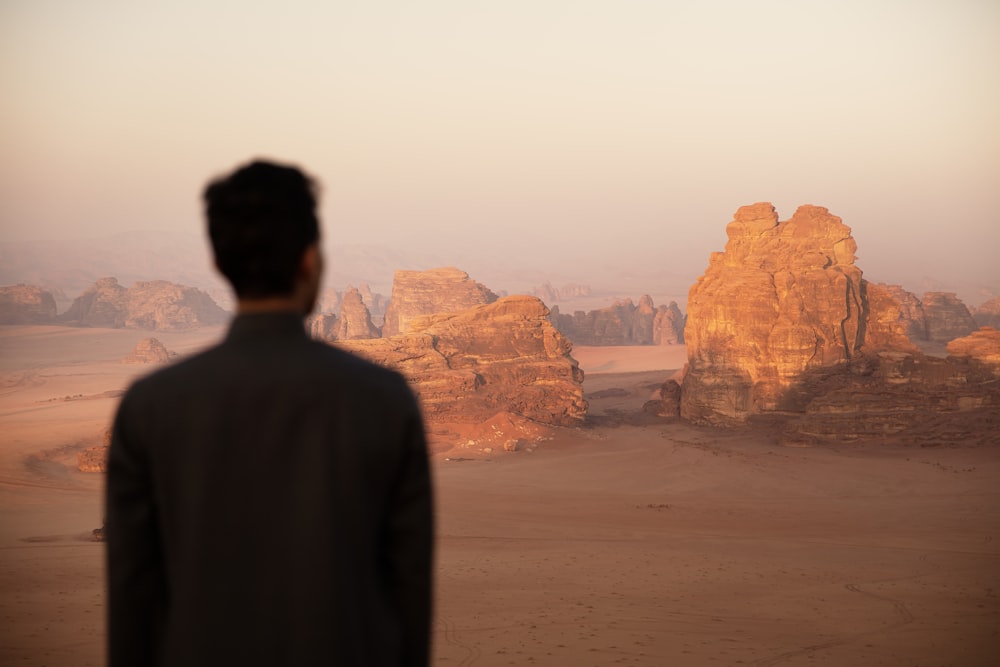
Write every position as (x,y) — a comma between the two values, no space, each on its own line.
(629,541)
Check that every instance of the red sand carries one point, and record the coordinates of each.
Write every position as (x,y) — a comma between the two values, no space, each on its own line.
(629,541)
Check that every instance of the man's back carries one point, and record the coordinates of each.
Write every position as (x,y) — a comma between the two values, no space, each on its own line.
(269,502)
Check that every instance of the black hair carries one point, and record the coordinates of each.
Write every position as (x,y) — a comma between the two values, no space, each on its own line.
(261,219)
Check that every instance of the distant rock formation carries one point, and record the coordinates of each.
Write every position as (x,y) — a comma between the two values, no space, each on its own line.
(419,293)
(623,323)
(783,298)
(550,294)
(502,357)
(148,351)
(947,317)
(26,304)
(95,459)
(783,324)
(988,313)
(155,305)
(355,322)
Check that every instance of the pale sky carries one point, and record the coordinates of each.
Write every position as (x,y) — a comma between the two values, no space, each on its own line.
(563,133)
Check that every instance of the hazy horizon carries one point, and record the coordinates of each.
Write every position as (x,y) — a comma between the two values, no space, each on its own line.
(570,138)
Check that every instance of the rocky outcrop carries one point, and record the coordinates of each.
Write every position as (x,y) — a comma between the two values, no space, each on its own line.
(503,357)
(783,298)
(26,304)
(947,317)
(355,322)
(623,323)
(155,305)
(419,293)
(899,309)
(95,459)
(782,326)
(988,313)
(668,325)
(908,398)
(981,346)
(149,351)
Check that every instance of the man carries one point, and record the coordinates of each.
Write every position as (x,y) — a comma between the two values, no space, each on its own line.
(269,500)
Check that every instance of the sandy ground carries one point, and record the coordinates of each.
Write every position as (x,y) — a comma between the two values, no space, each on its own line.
(629,541)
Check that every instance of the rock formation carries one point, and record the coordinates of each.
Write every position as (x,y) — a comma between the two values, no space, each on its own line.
(95,459)
(782,299)
(419,293)
(988,313)
(782,325)
(148,351)
(26,304)
(668,325)
(623,323)
(355,322)
(550,294)
(947,317)
(156,305)
(503,357)
(981,346)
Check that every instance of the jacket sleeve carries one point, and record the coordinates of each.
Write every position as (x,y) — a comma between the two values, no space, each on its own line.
(411,545)
(135,570)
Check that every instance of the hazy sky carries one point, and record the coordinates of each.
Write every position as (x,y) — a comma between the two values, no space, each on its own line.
(558,132)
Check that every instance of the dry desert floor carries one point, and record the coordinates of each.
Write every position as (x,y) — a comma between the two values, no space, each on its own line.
(629,541)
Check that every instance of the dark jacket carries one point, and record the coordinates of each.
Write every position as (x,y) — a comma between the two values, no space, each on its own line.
(269,503)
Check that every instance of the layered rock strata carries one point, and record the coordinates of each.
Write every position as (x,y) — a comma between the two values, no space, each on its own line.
(419,293)
(946,317)
(783,298)
(503,357)
(988,313)
(155,305)
(26,304)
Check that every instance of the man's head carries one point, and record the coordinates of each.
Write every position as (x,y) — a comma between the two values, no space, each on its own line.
(264,230)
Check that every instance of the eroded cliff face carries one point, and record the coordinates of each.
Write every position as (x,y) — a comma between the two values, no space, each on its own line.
(156,305)
(26,304)
(782,326)
(419,293)
(500,358)
(149,351)
(783,298)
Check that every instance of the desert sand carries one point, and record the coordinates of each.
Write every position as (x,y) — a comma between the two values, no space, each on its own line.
(631,540)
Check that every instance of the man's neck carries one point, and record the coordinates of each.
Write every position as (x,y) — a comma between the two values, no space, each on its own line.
(269,305)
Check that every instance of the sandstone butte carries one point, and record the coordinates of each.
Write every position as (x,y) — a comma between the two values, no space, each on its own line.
(782,323)
(499,362)
(155,305)
(26,304)
(419,293)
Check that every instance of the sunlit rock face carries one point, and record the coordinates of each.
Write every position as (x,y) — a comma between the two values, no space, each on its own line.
(503,357)
(156,305)
(783,298)
(419,293)
(26,304)
(982,346)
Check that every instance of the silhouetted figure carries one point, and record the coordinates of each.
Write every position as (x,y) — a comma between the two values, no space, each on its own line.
(269,500)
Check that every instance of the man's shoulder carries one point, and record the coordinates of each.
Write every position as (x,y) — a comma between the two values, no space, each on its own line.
(360,371)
